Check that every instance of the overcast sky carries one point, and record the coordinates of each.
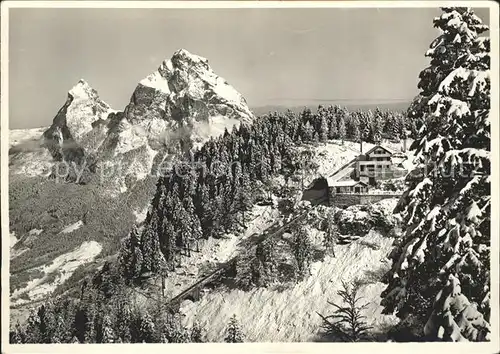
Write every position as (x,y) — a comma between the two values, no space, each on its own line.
(271,56)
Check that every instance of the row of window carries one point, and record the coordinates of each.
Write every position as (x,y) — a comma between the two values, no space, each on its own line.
(371,168)
(356,190)
(379,152)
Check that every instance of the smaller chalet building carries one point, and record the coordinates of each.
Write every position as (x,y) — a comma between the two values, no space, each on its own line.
(353,180)
(347,186)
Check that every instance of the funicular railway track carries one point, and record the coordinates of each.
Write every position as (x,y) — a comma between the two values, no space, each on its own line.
(194,291)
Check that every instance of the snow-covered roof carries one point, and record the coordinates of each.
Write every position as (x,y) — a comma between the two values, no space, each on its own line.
(398,158)
(344,183)
(380,147)
(344,171)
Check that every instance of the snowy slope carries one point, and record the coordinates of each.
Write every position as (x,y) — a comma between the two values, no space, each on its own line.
(61,268)
(26,154)
(268,315)
(20,136)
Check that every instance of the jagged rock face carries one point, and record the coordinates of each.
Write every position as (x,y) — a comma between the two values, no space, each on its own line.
(74,132)
(183,103)
(187,94)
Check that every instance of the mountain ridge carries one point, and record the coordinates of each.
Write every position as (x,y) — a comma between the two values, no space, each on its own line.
(180,105)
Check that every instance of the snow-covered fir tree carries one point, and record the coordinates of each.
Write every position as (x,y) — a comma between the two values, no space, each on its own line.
(233,331)
(347,322)
(147,329)
(331,235)
(341,132)
(353,127)
(441,266)
(302,250)
(308,132)
(197,334)
(323,124)
(108,333)
(130,255)
(332,124)
(153,259)
(267,264)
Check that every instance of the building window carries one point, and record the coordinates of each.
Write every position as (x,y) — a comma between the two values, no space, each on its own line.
(356,189)
(362,168)
(338,189)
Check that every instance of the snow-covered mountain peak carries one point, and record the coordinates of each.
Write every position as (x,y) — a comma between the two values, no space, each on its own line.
(71,136)
(179,106)
(182,57)
(82,90)
(185,88)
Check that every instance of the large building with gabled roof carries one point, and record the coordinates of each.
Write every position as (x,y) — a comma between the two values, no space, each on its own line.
(356,176)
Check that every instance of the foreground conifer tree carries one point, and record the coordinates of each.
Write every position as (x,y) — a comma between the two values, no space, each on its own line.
(347,323)
(233,331)
(441,267)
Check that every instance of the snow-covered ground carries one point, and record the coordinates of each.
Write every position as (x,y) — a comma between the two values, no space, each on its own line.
(35,232)
(332,155)
(26,155)
(270,315)
(18,136)
(140,215)
(73,227)
(13,239)
(25,242)
(61,268)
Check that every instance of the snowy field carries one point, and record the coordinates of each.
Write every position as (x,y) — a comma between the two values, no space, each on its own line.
(26,155)
(272,315)
(57,271)
(60,269)
(13,239)
(17,251)
(19,136)
(72,227)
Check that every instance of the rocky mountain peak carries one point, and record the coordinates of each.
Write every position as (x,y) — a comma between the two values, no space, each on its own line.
(68,136)
(82,90)
(186,88)
(180,105)
(182,60)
